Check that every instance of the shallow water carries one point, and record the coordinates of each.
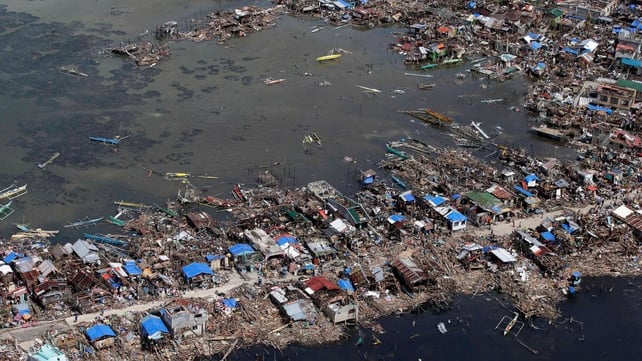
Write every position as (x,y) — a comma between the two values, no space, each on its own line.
(602,322)
(206,110)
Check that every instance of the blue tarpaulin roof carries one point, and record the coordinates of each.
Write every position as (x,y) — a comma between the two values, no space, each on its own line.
(408,197)
(286,238)
(548,236)
(631,62)
(534,36)
(345,284)
(241,249)
(153,326)
(531,177)
(368,180)
(568,228)
(523,191)
(10,257)
(599,108)
(99,331)
(397,218)
(435,200)
(571,51)
(455,216)
(535,45)
(229,302)
(132,269)
(195,269)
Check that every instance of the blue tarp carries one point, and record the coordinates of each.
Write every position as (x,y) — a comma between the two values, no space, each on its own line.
(153,327)
(631,62)
(195,269)
(368,180)
(523,191)
(229,302)
(455,216)
(435,200)
(535,45)
(345,285)
(408,197)
(132,269)
(568,228)
(285,238)
(342,4)
(571,51)
(531,178)
(397,218)
(534,36)
(548,236)
(576,275)
(99,331)
(241,249)
(10,257)
(599,108)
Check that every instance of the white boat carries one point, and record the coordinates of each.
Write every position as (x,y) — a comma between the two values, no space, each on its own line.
(477,127)
(13,191)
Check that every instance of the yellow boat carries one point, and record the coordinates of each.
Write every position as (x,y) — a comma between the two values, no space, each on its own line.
(328,57)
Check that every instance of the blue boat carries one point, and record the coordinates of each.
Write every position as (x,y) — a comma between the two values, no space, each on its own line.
(114,141)
(107,240)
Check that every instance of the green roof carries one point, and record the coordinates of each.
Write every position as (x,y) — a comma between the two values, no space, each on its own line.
(556,12)
(624,83)
(483,199)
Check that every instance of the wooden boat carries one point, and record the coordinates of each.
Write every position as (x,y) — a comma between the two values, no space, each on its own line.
(13,191)
(328,57)
(442,117)
(399,153)
(48,161)
(451,61)
(271,81)
(511,324)
(426,86)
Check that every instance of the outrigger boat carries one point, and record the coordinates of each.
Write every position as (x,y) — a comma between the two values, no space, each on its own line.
(399,153)
(510,325)
(84,223)
(5,211)
(13,191)
(270,81)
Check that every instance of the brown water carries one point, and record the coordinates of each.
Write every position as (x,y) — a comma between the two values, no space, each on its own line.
(206,110)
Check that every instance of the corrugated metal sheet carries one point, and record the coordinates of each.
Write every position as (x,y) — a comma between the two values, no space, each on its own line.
(409,270)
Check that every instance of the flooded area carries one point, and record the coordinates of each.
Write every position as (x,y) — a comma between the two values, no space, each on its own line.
(206,110)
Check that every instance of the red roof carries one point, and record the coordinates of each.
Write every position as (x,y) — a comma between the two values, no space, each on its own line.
(317,283)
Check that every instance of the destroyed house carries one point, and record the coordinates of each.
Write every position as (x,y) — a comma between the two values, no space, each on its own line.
(86,251)
(339,204)
(196,273)
(101,336)
(182,322)
(331,299)
(631,218)
(200,220)
(293,303)
(261,241)
(152,328)
(243,253)
(410,274)
(483,207)
(82,281)
(530,245)
(321,250)
(47,352)
(50,292)
(613,96)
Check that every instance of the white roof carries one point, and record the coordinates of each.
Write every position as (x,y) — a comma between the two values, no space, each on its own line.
(622,212)
(503,255)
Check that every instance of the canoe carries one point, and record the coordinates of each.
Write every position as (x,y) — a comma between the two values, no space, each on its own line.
(399,153)
(428,66)
(328,57)
(442,117)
